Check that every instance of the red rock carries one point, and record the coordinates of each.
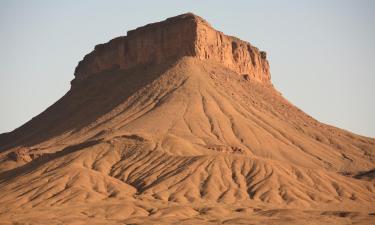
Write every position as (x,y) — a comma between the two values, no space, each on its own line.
(173,38)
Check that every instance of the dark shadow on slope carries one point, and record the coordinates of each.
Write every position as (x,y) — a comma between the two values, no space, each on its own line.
(366,175)
(83,104)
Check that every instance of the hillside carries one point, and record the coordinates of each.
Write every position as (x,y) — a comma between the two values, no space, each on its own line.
(179,123)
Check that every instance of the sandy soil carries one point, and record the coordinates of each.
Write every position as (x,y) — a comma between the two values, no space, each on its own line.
(186,142)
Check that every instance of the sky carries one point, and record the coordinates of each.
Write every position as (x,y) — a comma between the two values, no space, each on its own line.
(321,52)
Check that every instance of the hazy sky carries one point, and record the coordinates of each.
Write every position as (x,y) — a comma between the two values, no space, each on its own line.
(322,53)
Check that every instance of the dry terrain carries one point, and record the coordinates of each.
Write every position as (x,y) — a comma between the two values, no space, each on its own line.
(177,123)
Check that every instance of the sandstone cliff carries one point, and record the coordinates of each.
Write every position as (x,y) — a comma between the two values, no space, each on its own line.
(184,35)
(149,136)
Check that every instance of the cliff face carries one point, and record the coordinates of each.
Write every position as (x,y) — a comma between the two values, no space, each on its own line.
(238,55)
(167,139)
(184,35)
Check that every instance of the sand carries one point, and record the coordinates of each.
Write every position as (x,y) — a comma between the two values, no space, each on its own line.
(187,141)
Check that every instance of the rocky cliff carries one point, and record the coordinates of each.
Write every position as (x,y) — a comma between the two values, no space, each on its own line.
(162,138)
(184,35)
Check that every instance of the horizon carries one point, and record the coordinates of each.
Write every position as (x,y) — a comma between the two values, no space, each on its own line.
(320,74)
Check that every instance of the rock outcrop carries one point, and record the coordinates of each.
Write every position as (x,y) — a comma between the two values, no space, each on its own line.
(184,35)
(147,135)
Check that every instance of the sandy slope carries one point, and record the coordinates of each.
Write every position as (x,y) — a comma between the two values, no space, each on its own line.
(186,142)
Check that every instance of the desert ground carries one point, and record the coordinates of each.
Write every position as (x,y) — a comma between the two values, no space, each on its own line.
(197,138)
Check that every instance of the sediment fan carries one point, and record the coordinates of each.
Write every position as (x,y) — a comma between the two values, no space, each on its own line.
(178,123)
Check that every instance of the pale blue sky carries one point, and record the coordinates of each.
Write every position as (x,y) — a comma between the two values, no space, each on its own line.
(321,52)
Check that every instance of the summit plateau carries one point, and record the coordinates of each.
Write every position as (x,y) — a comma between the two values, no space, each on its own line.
(178,123)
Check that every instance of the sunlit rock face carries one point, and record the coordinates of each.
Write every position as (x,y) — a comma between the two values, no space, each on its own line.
(184,35)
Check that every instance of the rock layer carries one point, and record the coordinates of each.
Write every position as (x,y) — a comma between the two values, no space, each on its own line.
(176,37)
(175,124)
